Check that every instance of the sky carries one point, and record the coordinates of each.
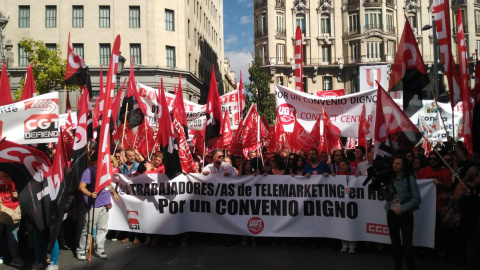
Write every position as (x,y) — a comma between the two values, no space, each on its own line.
(238,35)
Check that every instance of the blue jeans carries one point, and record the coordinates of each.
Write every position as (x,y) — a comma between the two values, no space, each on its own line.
(40,248)
(12,238)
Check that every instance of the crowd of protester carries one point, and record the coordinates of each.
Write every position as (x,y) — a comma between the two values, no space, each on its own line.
(456,240)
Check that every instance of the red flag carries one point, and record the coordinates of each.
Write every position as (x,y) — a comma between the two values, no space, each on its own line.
(408,67)
(393,129)
(29,90)
(241,98)
(128,136)
(178,110)
(298,60)
(213,113)
(68,106)
(276,138)
(104,166)
(96,113)
(136,108)
(248,135)
(464,85)
(226,133)
(144,140)
(68,140)
(116,105)
(5,92)
(199,139)
(441,8)
(331,132)
(301,139)
(166,137)
(363,129)
(77,72)
(350,143)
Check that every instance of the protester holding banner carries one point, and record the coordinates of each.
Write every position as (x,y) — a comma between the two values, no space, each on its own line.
(402,197)
(297,165)
(278,166)
(218,165)
(131,164)
(363,166)
(97,205)
(10,217)
(467,195)
(315,167)
(359,153)
(336,157)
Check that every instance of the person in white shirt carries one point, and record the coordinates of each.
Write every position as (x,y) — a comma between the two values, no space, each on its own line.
(218,165)
(363,166)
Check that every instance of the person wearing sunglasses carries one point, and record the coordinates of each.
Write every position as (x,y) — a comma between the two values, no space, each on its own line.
(219,166)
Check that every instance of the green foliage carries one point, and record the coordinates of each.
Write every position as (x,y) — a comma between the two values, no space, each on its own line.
(48,67)
(258,91)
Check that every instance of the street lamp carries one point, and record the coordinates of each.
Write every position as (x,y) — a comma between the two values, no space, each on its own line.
(121,63)
(435,57)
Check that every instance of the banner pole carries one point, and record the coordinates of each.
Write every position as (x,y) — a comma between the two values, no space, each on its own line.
(124,125)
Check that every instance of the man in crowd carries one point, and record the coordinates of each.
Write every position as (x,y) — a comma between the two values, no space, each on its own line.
(218,165)
(315,167)
(359,156)
(364,165)
(97,205)
(131,165)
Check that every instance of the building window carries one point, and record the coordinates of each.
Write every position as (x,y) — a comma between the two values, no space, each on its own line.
(262,52)
(390,24)
(391,50)
(373,19)
(134,17)
(105,54)
(374,50)
(23,16)
(78,48)
(355,84)
(354,51)
(412,19)
(22,56)
(353,23)
(261,22)
(325,24)
(280,25)
(327,82)
(280,54)
(104,17)
(51,46)
(326,54)
(300,21)
(170,56)
(136,52)
(77,16)
(169,20)
(51,16)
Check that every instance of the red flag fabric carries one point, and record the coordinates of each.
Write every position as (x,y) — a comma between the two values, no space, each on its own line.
(29,89)
(5,91)
(77,72)
(96,113)
(166,137)
(441,9)
(248,135)
(199,139)
(276,138)
(213,113)
(104,166)
(241,97)
(116,105)
(332,133)
(298,60)
(226,133)
(128,136)
(393,129)
(350,143)
(102,90)
(68,140)
(466,92)
(68,106)
(408,67)
(178,110)
(363,129)
(136,108)
(301,139)
(144,140)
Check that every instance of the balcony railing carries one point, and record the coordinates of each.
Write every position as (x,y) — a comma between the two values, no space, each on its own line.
(477,28)
(373,1)
(353,30)
(373,26)
(284,61)
(280,4)
(353,2)
(281,32)
(261,33)
(391,29)
(390,2)
(259,4)
(458,2)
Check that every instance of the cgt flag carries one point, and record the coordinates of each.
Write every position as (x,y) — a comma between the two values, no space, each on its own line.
(132,104)
(77,72)
(213,113)
(408,67)
(298,60)
(5,91)
(29,89)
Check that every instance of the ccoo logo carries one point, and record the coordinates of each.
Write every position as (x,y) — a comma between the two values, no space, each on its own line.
(286,113)
(255,225)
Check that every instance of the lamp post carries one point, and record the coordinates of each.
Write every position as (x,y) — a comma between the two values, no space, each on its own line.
(435,57)
(121,63)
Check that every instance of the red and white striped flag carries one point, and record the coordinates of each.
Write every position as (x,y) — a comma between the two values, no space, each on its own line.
(298,60)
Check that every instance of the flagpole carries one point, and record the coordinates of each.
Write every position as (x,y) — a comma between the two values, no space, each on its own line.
(91,232)
(258,134)
(439,111)
(116,145)
(124,125)
(146,137)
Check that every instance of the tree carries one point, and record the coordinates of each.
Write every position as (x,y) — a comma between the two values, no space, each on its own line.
(48,66)
(258,91)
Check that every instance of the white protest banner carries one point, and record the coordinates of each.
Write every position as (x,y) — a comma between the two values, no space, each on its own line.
(195,112)
(62,119)
(344,111)
(34,120)
(270,206)
(370,74)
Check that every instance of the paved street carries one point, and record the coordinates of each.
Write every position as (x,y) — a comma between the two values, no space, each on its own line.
(200,254)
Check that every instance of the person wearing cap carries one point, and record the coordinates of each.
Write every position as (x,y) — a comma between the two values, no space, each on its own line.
(97,204)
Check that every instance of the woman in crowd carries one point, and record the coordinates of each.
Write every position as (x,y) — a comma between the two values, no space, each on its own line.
(297,166)
(277,166)
(157,162)
(467,195)
(402,198)
(418,163)
(337,156)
